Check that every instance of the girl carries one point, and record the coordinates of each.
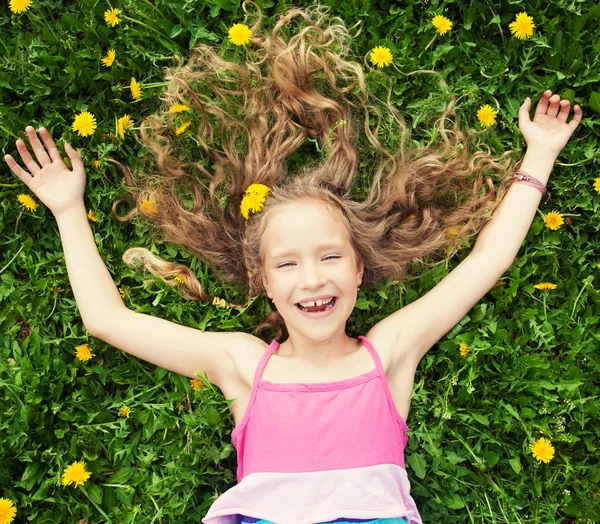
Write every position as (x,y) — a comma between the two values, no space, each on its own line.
(320,417)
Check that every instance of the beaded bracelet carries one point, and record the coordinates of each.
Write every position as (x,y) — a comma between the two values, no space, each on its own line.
(525,178)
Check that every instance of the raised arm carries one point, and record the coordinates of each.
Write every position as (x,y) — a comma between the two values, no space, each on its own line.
(418,326)
(166,344)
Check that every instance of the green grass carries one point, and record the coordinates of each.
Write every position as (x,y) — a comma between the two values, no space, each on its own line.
(535,355)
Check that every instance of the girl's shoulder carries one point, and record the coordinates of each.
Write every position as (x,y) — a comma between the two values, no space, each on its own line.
(246,355)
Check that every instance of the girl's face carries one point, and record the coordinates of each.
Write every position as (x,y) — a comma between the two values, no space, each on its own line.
(307,255)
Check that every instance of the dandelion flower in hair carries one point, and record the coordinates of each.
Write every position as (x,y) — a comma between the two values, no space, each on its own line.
(486,115)
(381,56)
(178,108)
(240,34)
(523,26)
(254,198)
(442,24)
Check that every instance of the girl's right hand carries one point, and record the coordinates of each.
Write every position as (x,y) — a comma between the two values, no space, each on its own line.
(51,181)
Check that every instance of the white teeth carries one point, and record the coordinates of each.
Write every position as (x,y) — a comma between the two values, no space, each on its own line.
(314,303)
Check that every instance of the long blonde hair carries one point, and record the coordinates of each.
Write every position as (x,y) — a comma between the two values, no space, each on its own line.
(250,118)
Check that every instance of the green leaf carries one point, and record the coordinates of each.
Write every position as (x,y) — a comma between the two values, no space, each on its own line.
(482,419)
(122,475)
(515,464)
(417,464)
(95,493)
(456,502)
(569,385)
(595,101)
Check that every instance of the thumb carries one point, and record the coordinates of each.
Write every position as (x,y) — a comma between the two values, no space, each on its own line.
(74,157)
(524,112)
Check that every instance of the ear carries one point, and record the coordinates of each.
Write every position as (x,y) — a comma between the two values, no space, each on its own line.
(360,268)
(266,286)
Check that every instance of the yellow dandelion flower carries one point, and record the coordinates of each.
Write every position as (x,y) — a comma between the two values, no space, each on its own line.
(554,220)
(597,185)
(92,215)
(219,302)
(486,115)
(83,353)
(84,123)
(56,289)
(96,163)
(183,127)
(75,474)
(148,207)
(27,202)
(122,123)
(240,34)
(11,361)
(254,198)
(452,232)
(464,349)
(136,90)
(381,56)
(109,58)
(442,24)
(523,26)
(178,108)
(598,265)
(111,17)
(545,286)
(19,6)
(126,119)
(7,511)
(196,384)
(179,278)
(498,284)
(542,450)
(124,412)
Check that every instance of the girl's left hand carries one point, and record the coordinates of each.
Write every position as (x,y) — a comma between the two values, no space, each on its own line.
(549,129)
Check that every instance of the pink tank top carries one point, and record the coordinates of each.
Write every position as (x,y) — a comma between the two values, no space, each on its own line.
(341,443)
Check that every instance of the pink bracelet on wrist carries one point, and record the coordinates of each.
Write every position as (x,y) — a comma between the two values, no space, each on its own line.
(525,178)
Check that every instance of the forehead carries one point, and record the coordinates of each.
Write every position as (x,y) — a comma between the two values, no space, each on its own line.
(302,226)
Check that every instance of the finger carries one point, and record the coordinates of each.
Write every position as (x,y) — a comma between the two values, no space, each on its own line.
(23,175)
(50,145)
(554,106)
(38,148)
(524,112)
(576,117)
(76,161)
(27,159)
(542,106)
(565,108)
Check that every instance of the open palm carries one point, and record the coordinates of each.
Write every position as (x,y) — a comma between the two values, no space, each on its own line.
(50,179)
(549,129)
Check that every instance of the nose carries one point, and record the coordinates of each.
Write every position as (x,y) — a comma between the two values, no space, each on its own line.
(312,278)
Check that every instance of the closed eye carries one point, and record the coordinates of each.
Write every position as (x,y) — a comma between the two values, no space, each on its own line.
(328,257)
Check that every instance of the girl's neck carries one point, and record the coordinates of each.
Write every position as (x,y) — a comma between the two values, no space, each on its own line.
(318,352)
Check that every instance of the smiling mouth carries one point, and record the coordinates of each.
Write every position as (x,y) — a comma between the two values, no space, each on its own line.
(318,309)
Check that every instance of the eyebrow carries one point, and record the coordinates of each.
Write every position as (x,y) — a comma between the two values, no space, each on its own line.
(322,247)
